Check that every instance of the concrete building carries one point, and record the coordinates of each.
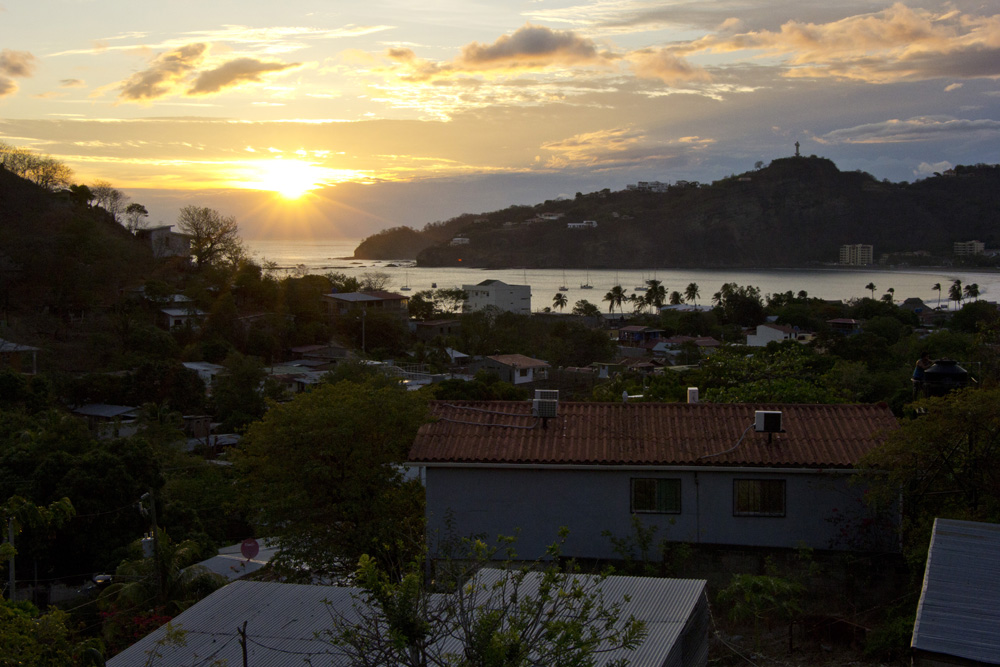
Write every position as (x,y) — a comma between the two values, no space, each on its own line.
(165,242)
(964,248)
(496,293)
(858,254)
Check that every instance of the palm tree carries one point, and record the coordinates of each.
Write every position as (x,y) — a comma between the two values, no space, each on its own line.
(955,292)
(937,286)
(676,298)
(971,291)
(618,296)
(560,301)
(172,580)
(610,298)
(691,293)
(656,293)
(803,294)
(892,293)
(871,286)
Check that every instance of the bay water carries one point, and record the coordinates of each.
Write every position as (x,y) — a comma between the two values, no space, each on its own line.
(336,255)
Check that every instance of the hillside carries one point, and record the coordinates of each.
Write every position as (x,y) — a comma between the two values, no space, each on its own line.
(59,255)
(797,211)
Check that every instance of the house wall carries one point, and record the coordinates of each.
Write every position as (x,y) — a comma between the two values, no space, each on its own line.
(765,335)
(512,298)
(535,502)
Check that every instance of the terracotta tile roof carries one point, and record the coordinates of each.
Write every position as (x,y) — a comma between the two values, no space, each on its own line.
(649,434)
(519,360)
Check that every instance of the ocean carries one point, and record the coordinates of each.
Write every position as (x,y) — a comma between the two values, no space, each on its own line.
(336,255)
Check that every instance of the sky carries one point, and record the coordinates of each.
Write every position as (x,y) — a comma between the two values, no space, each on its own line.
(335,119)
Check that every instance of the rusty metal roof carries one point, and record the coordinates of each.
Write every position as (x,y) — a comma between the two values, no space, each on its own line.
(495,432)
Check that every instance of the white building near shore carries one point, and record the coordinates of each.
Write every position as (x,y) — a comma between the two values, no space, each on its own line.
(512,298)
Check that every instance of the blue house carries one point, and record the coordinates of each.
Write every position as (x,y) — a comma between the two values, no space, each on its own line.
(702,473)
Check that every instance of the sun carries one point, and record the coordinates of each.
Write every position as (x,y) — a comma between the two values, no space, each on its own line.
(289,178)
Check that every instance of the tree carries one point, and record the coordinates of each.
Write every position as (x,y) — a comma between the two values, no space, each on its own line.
(937,286)
(421,305)
(135,217)
(43,170)
(560,301)
(779,373)
(240,393)
(451,299)
(942,462)
(214,237)
(374,281)
(30,637)
(656,294)
(955,292)
(321,474)
(971,291)
(761,599)
(161,585)
(676,298)
(871,288)
(110,199)
(586,308)
(691,293)
(514,616)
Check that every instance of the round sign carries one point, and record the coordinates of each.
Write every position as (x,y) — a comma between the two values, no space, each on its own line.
(249,548)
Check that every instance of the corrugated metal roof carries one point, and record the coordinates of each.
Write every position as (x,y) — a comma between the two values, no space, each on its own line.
(649,434)
(959,610)
(286,622)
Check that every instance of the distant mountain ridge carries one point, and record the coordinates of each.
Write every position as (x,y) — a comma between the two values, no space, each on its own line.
(795,212)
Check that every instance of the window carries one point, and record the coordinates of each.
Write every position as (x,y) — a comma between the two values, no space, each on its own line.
(656,496)
(758,497)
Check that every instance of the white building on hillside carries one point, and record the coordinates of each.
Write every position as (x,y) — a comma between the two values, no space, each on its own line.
(513,298)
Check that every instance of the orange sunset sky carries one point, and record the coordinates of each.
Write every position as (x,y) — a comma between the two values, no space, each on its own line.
(334,119)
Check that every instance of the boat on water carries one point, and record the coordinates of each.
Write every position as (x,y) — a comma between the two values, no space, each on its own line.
(406,285)
(563,288)
(587,285)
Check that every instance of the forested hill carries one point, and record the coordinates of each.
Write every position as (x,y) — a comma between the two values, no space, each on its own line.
(60,255)
(797,211)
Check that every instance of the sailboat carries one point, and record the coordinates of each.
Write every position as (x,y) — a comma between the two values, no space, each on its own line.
(587,284)
(406,284)
(563,288)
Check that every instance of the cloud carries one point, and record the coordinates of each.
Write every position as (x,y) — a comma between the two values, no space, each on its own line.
(927,169)
(592,148)
(7,86)
(166,73)
(72,83)
(954,86)
(667,67)
(16,63)
(531,47)
(234,73)
(912,129)
(895,44)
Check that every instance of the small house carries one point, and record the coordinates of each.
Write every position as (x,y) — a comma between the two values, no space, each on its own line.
(712,474)
(516,368)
